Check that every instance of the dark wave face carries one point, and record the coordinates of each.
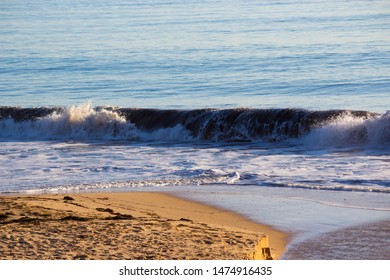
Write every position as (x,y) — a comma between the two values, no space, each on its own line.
(237,124)
(240,124)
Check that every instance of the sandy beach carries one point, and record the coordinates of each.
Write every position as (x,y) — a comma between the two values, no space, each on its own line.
(111,226)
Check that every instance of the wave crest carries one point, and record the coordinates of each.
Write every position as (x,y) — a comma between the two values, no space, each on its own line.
(348,129)
(332,127)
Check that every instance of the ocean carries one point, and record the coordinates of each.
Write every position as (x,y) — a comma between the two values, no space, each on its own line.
(277,110)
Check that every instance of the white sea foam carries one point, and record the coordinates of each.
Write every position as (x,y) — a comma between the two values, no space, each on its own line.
(351,130)
(305,60)
(83,122)
(209,179)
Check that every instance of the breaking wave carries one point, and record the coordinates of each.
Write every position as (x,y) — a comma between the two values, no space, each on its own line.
(84,122)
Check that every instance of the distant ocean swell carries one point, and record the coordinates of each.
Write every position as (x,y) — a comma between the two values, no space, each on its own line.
(84,122)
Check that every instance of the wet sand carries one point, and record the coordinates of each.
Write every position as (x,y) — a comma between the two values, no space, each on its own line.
(111,226)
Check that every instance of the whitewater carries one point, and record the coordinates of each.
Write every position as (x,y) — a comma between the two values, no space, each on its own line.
(279,147)
(277,110)
(328,167)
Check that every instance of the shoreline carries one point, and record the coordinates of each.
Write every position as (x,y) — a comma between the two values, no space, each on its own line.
(129,225)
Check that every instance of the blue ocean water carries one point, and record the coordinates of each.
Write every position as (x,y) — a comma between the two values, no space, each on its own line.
(278,110)
(195,54)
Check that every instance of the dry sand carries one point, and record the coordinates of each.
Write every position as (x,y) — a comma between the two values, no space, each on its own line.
(131,226)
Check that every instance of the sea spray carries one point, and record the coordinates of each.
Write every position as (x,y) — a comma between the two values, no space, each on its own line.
(84,122)
(348,129)
(81,122)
